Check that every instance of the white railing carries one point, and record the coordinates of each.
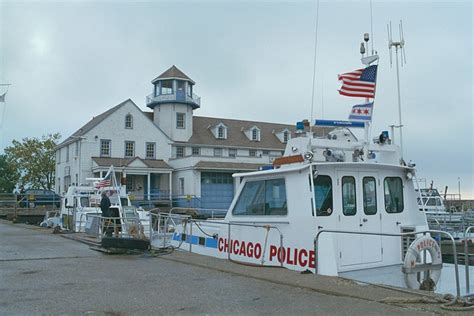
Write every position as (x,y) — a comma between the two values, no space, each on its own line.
(173,97)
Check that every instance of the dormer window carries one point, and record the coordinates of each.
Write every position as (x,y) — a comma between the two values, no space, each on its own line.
(285,136)
(219,131)
(129,121)
(255,133)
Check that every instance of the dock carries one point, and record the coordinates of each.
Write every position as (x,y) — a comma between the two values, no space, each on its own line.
(44,273)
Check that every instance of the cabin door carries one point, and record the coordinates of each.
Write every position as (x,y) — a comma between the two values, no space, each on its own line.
(370,216)
(348,208)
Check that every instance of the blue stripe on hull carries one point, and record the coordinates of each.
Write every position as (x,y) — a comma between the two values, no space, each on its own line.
(193,239)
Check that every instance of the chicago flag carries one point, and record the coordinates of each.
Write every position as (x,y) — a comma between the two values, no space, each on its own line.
(362,112)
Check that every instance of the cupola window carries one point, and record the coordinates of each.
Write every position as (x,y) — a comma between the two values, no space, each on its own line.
(167,87)
(129,121)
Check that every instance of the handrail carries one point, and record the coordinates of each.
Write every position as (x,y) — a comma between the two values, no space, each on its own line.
(229,224)
(466,259)
(197,209)
(456,271)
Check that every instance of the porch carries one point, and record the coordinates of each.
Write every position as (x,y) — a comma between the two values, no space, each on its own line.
(148,181)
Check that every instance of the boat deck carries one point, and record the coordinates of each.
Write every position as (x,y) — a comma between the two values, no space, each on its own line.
(393,276)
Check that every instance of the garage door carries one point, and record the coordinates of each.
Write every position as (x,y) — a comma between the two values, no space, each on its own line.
(217,190)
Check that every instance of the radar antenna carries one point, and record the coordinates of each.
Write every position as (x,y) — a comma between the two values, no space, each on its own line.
(400,45)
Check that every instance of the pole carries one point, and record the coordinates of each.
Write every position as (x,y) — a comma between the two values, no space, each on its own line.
(459,187)
(399,103)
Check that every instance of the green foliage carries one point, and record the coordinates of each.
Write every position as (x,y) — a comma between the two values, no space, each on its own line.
(9,175)
(34,160)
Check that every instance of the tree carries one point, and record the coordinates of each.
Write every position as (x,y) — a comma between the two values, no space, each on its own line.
(34,160)
(9,175)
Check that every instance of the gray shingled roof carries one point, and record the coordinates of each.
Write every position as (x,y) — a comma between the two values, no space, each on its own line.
(202,134)
(172,73)
(124,162)
(235,166)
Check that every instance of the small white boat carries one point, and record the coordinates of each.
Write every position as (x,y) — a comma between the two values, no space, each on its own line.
(80,208)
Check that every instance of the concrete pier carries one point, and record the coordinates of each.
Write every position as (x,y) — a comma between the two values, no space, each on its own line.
(43,273)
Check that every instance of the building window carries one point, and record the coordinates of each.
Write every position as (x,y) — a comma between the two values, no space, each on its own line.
(130,184)
(77,179)
(150,150)
(349,203)
(77,149)
(232,152)
(323,195)
(180,123)
(105,147)
(393,189)
(221,133)
(369,195)
(167,87)
(255,134)
(252,153)
(129,121)
(129,149)
(265,153)
(67,153)
(217,152)
(265,197)
(58,160)
(285,136)
(179,151)
(196,151)
(181,186)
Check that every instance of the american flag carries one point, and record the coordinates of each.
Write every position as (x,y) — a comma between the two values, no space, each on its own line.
(359,83)
(106,181)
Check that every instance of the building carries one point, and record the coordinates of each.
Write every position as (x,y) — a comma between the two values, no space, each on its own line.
(169,153)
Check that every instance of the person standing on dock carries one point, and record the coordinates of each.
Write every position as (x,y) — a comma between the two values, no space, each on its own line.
(105,208)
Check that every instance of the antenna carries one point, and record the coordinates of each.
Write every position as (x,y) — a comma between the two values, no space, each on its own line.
(398,45)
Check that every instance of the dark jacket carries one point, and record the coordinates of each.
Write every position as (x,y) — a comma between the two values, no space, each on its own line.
(105,206)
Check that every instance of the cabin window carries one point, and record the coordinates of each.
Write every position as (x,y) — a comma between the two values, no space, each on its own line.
(323,195)
(267,197)
(393,189)
(85,201)
(349,203)
(370,195)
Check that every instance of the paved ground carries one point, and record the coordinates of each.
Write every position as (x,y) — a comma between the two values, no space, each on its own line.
(42,273)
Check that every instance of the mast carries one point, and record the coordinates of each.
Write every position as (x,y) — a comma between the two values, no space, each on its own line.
(398,45)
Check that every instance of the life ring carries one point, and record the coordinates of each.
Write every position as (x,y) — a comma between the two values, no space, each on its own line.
(412,264)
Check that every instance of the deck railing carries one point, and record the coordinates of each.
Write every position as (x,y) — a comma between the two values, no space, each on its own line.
(173,97)
(164,219)
(424,232)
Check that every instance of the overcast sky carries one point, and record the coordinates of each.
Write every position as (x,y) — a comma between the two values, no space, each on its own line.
(251,60)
